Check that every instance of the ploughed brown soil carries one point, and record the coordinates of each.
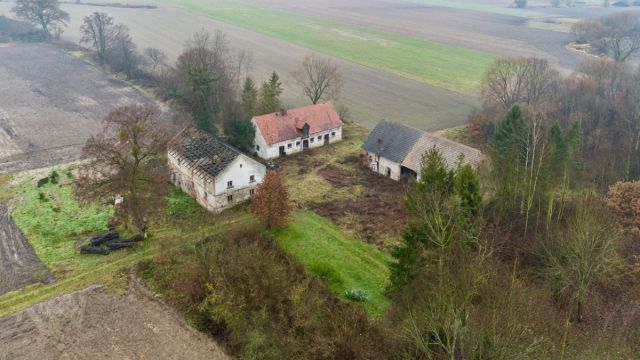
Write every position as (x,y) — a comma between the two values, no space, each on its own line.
(19,264)
(50,103)
(373,215)
(92,324)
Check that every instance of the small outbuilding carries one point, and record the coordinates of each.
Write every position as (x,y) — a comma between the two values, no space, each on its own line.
(217,175)
(396,150)
(290,131)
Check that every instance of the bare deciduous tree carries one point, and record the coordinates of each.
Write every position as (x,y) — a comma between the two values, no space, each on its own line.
(127,159)
(124,56)
(46,13)
(319,78)
(584,255)
(617,34)
(157,58)
(510,81)
(100,31)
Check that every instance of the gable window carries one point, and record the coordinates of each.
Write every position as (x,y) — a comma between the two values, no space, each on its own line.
(252,178)
(252,192)
(229,198)
(289,146)
(229,184)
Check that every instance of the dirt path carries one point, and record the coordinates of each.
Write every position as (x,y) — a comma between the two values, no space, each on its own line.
(19,264)
(91,324)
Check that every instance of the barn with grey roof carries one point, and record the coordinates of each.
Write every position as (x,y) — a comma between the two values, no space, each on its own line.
(395,150)
(213,172)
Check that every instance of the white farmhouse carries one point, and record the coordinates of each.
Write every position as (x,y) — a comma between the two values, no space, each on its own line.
(395,150)
(214,173)
(291,131)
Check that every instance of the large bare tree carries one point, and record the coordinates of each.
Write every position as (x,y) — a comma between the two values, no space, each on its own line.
(510,81)
(46,13)
(100,31)
(617,34)
(128,159)
(319,78)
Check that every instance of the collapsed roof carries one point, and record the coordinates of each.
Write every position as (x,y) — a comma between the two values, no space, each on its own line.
(207,156)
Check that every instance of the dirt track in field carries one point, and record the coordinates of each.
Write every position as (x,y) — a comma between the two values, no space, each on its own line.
(92,324)
(19,264)
(50,103)
(370,94)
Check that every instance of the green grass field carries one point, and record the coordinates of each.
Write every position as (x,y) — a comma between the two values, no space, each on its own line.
(343,262)
(486,8)
(444,66)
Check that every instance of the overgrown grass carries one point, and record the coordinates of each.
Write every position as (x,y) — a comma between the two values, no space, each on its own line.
(345,264)
(453,68)
(54,224)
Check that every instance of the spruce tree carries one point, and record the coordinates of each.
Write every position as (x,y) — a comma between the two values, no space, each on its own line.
(249,99)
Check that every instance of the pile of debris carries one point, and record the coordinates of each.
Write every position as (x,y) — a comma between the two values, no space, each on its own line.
(103,244)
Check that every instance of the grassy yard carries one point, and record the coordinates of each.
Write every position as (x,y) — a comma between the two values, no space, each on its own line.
(343,262)
(449,67)
(54,224)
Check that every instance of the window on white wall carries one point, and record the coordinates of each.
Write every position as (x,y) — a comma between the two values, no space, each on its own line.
(289,146)
(333,134)
(229,184)
(298,143)
(252,192)
(229,198)
(252,178)
(312,139)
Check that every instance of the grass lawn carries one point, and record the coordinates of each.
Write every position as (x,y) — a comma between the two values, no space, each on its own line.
(449,67)
(344,262)
(54,224)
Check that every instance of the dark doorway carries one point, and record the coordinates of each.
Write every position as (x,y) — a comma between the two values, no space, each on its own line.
(388,172)
(305,144)
(282,152)
(326,139)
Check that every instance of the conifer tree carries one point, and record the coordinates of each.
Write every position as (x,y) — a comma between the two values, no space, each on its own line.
(249,99)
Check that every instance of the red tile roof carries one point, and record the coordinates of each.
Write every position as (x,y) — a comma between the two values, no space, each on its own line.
(282,126)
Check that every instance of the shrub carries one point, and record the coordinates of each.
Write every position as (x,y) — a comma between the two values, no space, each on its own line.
(54,177)
(358,295)
(42,182)
(42,197)
(262,304)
